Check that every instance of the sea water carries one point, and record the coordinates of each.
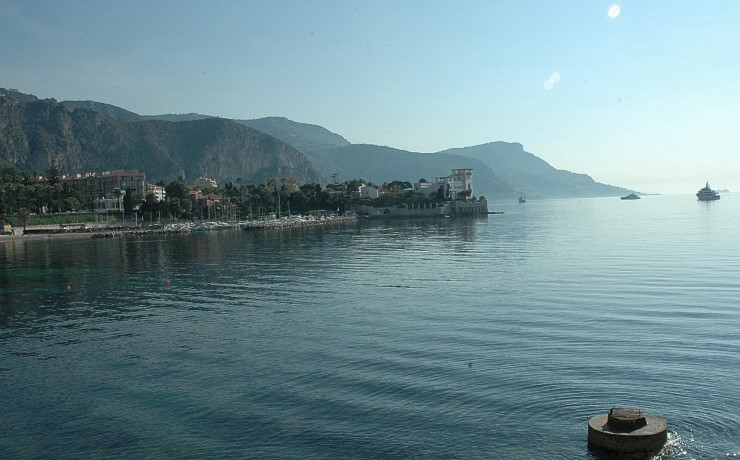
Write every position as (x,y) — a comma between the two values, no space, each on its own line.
(493,337)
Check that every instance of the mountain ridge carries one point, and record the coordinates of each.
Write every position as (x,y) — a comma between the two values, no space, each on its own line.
(37,133)
(532,175)
(502,170)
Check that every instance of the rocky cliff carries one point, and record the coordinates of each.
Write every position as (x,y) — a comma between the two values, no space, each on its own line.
(34,133)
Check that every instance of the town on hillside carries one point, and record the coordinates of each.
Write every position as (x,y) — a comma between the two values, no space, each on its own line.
(124,199)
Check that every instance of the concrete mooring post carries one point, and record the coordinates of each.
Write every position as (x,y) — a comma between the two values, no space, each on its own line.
(626,430)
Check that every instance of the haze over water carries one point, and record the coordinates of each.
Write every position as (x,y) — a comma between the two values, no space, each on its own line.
(478,338)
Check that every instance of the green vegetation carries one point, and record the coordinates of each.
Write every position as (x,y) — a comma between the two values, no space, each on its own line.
(281,197)
(26,201)
(20,191)
(57,219)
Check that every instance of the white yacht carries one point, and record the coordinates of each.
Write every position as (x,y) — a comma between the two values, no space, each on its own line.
(707,194)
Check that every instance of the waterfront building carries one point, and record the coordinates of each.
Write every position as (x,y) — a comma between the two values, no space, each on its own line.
(461,180)
(368,192)
(445,209)
(111,202)
(107,185)
(157,191)
(428,188)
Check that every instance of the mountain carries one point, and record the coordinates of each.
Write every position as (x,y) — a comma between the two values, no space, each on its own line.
(380,164)
(118,113)
(305,137)
(532,176)
(502,170)
(17,95)
(104,109)
(34,133)
(176,117)
(90,136)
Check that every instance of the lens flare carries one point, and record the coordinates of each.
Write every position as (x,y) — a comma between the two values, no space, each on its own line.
(552,81)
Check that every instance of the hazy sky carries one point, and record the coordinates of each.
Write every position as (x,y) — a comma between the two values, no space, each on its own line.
(641,94)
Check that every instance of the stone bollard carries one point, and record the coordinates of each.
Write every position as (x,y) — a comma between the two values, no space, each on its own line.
(626,430)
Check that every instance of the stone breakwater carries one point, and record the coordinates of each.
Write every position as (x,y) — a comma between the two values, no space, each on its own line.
(138,232)
(252,225)
(99,232)
(169,229)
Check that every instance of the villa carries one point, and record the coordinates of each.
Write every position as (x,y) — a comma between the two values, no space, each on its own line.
(455,191)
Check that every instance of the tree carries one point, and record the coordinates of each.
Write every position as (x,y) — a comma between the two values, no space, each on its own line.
(69,192)
(299,202)
(151,207)
(71,204)
(397,186)
(464,195)
(129,201)
(52,176)
(25,216)
(175,207)
(53,197)
(177,189)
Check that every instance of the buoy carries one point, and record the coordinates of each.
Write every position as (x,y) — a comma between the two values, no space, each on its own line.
(167,282)
(68,287)
(627,430)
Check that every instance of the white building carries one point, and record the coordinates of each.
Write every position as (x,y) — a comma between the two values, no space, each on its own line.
(368,192)
(429,188)
(111,202)
(460,181)
(157,190)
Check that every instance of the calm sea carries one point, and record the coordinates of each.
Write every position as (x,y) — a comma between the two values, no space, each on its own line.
(495,337)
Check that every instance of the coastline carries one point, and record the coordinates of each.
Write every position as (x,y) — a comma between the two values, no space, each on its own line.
(45,237)
(89,234)
(169,229)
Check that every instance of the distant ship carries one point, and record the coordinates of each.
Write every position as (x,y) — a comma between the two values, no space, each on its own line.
(631,196)
(522,199)
(707,194)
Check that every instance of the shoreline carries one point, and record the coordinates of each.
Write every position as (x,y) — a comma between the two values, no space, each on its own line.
(98,234)
(46,237)
(170,229)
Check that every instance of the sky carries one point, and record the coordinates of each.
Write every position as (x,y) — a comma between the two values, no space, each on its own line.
(639,94)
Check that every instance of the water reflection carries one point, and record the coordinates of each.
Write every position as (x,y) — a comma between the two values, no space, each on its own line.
(408,335)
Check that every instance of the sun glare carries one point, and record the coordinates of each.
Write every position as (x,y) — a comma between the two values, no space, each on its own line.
(552,81)
(614,11)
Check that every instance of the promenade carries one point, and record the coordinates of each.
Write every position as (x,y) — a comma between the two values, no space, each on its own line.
(57,232)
